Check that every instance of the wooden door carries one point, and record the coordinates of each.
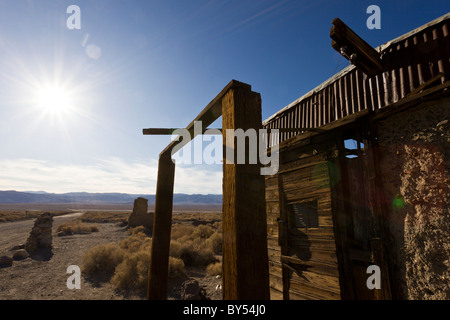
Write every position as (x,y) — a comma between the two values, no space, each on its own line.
(357,218)
(308,251)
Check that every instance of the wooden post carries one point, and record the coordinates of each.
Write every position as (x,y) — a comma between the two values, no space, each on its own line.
(162,222)
(245,257)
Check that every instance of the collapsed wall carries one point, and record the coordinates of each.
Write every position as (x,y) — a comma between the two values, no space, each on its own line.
(41,235)
(415,152)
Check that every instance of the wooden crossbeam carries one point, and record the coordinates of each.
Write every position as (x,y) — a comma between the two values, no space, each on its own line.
(289,130)
(410,100)
(207,116)
(355,49)
(427,84)
(170,131)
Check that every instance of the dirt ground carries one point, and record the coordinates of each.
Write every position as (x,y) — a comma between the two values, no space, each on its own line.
(44,277)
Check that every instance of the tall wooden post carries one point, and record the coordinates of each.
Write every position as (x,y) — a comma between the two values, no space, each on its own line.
(245,257)
(162,222)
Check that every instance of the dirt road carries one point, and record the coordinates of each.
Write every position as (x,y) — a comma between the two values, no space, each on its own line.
(17,232)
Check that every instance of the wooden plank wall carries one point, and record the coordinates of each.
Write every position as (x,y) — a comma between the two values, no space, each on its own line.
(309,261)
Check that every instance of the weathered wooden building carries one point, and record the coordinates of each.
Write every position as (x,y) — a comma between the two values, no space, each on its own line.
(362,190)
(363,175)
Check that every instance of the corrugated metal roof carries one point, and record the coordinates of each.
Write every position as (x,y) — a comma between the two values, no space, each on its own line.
(410,60)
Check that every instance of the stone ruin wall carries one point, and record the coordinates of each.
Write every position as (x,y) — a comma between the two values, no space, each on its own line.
(140,215)
(41,234)
(415,166)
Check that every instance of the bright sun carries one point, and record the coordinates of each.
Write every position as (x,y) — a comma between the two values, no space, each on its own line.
(54,99)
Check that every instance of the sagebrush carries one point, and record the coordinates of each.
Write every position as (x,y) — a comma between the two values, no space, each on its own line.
(126,263)
(76,227)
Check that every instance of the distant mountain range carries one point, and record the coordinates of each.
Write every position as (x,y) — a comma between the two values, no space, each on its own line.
(11,196)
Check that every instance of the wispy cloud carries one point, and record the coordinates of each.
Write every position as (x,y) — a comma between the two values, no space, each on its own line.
(104,175)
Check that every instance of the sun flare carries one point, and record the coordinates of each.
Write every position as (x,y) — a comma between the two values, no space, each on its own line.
(54,99)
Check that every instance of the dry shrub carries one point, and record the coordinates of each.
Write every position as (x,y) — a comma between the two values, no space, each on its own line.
(105,216)
(218,225)
(138,241)
(140,229)
(132,272)
(181,231)
(176,268)
(128,262)
(195,246)
(214,269)
(9,216)
(187,232)
(76,227)
(192,253)
(202,232)
(214,242)
(103,259)
(182,251)
(205,255)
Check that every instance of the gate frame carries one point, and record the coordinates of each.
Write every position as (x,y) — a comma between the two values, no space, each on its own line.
(245,256)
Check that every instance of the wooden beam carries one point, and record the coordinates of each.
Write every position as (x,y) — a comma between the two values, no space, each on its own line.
(208,115)
(162,222)
(170,131)
(427,84)
(410,100)
(289,130)
(355,49)
(245,256)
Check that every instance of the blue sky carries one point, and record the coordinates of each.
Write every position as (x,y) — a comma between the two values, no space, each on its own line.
(140,64)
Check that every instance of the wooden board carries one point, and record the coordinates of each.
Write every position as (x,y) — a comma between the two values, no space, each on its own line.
(308,269)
